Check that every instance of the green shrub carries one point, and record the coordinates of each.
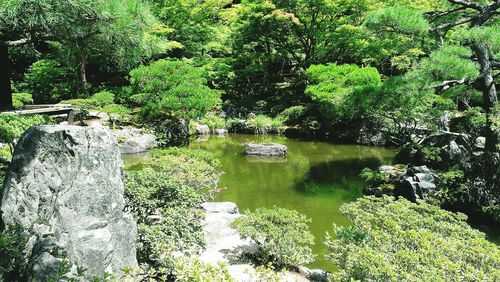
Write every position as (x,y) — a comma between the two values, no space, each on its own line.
(178,232)
(12,259)
(194,270)
(5,154)
(102,99)
(493,211)
(83,104)
(164,198)
(282,235)
(428,155)
(402,241)
(95,102)
(192,171)
(452,188)
(214,122)
(174,89)
(293,115)
(452,178)
(373,177)
(117,113)
(262,124)
(201,155)
(170,181)
(265,273)
(418,154)
(139,99)
(13,126)
(334,87)
(50,82)
(21,99)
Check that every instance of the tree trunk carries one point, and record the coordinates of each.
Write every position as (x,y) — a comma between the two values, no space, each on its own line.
(5,88)
(490,100)
(83,71)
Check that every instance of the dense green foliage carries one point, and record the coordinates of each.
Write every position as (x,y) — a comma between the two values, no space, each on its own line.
(12,260)
(192,269)
(336,88)
(164,197)
(283,236)
(373,178)
(94,102)
(21,99)
(214,122)
(12,127)
(50,82)
(402,241)
(173,89)
(261,124)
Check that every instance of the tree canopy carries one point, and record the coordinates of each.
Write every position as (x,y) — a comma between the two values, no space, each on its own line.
(173,89)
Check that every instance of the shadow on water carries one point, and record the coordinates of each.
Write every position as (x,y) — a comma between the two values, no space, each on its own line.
(337,174)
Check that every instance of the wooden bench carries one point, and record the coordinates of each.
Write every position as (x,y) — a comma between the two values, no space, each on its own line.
(50,110)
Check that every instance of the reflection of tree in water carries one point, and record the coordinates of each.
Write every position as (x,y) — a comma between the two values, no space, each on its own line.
(335,174)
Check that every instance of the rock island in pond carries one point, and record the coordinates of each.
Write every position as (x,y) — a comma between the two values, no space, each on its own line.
(270,149)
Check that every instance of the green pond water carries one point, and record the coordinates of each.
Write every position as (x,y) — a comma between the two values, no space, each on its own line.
(316,178)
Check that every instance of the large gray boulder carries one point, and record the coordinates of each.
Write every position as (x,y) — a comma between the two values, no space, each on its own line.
(65,188)
(134,140)
(266,150)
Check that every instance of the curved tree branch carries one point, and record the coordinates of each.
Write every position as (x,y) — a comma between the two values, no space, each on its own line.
(485,13)
(445,85)
(467,4)
(13,43)
(447,26)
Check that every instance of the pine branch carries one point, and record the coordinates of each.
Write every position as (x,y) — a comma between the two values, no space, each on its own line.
(445,85)
(467,4)
(447,26)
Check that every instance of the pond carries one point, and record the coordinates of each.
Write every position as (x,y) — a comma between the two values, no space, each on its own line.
(316,178)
